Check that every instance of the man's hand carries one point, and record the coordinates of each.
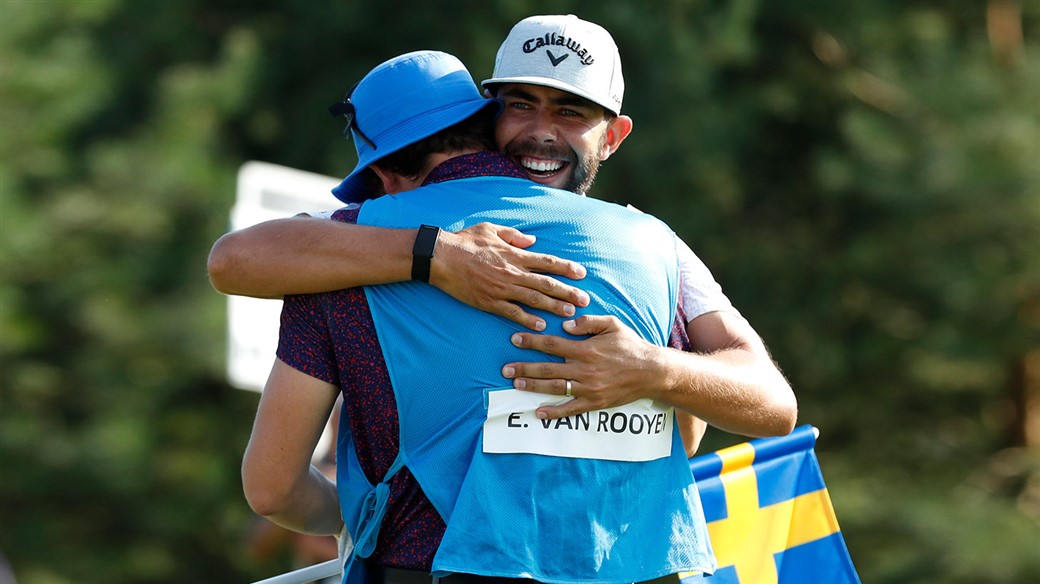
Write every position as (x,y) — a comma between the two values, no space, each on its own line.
(609,369)
(729,381)
(486,266)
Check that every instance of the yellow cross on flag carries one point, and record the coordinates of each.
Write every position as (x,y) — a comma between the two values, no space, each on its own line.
(770,518)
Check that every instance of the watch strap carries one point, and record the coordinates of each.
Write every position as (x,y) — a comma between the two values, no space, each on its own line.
(422,252)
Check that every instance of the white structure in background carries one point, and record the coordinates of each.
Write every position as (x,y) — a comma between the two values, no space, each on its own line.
(266,191)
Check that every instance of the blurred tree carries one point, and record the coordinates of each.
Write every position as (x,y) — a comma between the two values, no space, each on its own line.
(860,176)
(120,440)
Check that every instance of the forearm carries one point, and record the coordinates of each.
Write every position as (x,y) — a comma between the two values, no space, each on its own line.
(303,255)
(729,381)
(484,265)
(736,390)
(278,478)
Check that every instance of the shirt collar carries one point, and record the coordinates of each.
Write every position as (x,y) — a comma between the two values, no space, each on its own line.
(484,163)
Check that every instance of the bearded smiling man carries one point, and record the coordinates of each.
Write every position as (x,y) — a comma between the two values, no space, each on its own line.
(553,125)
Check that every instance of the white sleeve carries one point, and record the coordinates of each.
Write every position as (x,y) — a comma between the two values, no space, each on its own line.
(701,294)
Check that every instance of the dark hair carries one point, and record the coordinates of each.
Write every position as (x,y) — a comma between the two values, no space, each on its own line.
(476,132)
(372,185)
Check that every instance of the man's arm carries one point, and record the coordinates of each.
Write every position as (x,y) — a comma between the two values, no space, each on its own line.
(278,479)
(485,266)
(729,381)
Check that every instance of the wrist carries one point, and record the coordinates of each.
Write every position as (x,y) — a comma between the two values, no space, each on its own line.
(447,245)
(665,366)
(422,252)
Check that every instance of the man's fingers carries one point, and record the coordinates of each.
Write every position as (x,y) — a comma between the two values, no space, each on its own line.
(529,377)
(572,408)
(517,314)
(533,299)
(538,262)
(545,293)
(487,267)
(513,237)
(519,295)
(591,324)
(557,289)
(550,344)
(549,264)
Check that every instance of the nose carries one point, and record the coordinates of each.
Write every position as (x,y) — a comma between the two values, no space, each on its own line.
(542,128)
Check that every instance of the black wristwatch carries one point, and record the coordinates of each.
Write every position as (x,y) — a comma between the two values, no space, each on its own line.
(422,252)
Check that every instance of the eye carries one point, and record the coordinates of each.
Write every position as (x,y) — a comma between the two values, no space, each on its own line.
(520,105)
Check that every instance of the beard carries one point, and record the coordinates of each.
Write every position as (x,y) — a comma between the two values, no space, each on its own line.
(581,170)
(584,174)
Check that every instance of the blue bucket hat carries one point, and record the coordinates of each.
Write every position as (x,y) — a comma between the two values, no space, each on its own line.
(400,102)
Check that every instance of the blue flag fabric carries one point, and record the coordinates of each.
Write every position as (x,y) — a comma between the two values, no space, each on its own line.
(769,515)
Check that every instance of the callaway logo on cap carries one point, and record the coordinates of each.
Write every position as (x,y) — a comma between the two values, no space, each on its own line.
(565,53)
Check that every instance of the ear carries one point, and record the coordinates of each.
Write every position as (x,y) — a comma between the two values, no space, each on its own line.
(392,182)
(618,128)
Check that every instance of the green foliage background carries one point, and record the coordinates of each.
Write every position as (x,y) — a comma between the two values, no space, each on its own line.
(863,177)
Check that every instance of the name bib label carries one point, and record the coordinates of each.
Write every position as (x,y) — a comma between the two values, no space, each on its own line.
(639,431)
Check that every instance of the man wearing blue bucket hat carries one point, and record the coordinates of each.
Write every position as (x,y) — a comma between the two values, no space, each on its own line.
(442,466)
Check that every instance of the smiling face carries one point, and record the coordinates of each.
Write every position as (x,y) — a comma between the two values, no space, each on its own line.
(558,138)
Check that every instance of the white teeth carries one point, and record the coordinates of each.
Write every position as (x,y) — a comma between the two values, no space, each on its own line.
(542,165)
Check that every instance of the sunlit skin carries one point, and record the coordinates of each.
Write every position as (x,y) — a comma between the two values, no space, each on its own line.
(558,138)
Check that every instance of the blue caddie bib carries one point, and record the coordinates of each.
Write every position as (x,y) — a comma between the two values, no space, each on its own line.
(512,510)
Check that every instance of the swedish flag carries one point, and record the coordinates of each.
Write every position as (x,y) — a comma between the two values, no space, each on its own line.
(769,515)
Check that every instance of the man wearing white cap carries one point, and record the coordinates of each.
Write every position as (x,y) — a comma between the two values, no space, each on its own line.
(547,66)
(560,80)
(429,425)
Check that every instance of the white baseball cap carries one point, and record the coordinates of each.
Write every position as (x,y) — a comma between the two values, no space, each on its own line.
(565,53)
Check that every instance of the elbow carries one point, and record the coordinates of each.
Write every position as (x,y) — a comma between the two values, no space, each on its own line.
(263,501)
(776,423)
(263,504)
(266,494)
(691,429)
(786,416)
(788,422)
(777,414)
(221,264)
(691,449)
(783,409)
